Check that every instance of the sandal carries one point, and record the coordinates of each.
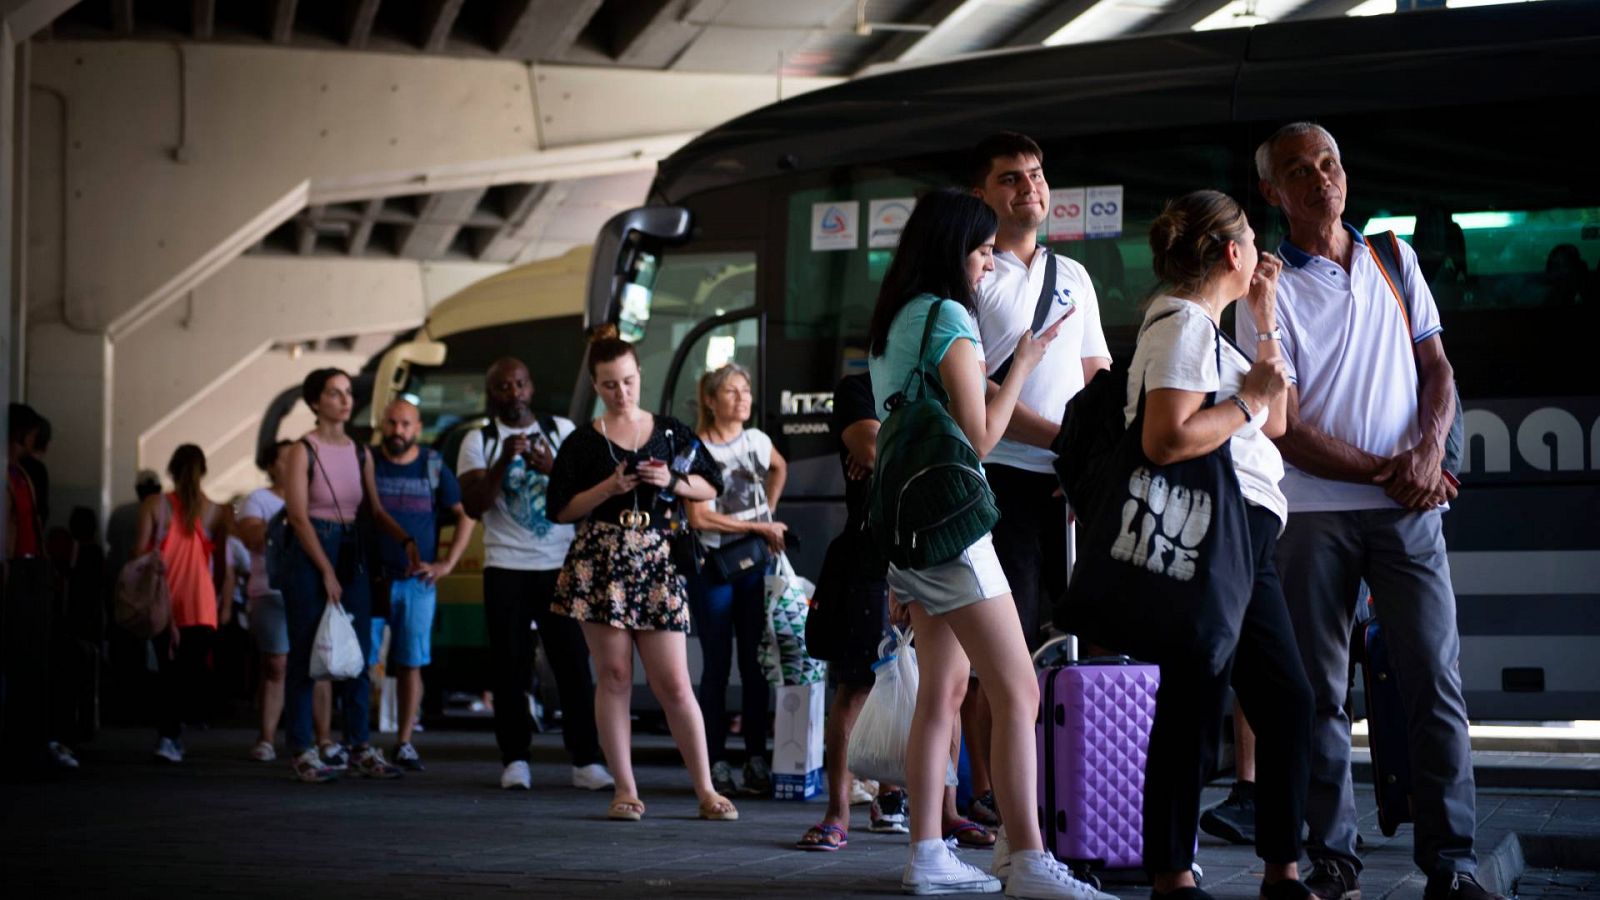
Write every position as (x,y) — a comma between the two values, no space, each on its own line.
(718,809)
(970,835)
(626,810)
(823,836)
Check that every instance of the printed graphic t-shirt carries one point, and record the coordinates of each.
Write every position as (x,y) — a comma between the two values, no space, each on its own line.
(744,462)
(517,531)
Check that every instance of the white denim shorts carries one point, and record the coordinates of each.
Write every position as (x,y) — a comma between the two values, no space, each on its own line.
(973,576)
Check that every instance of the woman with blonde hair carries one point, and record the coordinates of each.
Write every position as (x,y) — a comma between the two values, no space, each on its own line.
(191,534)
(737,523)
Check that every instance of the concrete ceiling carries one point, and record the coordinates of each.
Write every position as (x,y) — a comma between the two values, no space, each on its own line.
(785,38)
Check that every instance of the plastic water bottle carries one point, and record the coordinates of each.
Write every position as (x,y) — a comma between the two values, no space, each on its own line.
(681,464)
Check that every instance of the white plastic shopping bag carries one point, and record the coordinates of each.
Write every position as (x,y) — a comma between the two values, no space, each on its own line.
(878,742)
(336,654)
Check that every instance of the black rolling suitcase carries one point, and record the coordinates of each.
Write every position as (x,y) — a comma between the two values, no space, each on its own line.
(1386,731)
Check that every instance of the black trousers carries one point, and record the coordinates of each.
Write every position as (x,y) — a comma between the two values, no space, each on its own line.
(1031,540)
(1271,686)
(184,679)
(513,601)
(25,661)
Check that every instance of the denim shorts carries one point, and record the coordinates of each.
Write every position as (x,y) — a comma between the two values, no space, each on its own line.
(972,577)
(411,609)
(269,624)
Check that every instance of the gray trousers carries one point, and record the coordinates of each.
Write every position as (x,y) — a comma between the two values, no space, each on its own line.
(1322,558)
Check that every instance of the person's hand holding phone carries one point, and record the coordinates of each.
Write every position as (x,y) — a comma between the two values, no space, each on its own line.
(654,472)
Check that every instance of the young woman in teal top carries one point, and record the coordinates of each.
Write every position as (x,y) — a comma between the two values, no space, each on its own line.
(962,610)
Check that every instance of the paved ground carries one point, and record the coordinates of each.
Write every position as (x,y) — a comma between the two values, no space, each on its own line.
(221,825)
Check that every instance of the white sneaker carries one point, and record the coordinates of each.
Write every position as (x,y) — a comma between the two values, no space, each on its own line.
(862,791)
(169,750)
(1036,875)
(263,752)
(516,777)
(62,755)
(934,869)
(592,777)
(1000,867)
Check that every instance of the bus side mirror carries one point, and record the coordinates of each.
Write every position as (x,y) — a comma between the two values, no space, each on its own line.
(622,270)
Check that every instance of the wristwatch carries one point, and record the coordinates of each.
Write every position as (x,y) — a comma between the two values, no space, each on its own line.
(1275,334)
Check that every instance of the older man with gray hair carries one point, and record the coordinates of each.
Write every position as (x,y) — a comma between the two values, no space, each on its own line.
(1371,401)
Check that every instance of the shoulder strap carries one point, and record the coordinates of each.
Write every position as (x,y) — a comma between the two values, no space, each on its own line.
(490,432)
(1385,249)
(1139,410)
(1047,293)
(547,424)
(921,370)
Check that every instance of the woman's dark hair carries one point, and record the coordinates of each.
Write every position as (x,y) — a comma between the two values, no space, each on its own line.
(605,346)
(311,389)
(1191,237)
(187,466)
(269,456)
(943,229)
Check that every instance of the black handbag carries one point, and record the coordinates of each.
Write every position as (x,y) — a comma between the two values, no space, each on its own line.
(683,544)
(1166,574)
(738,557)
(848,608)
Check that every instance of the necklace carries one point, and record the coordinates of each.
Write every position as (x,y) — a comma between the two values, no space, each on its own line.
(635,519)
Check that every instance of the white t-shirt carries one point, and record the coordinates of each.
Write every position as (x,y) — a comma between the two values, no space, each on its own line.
(744,461)
(1353,362)
(1180,352)
(516,533)
(262,504)
(1006,302)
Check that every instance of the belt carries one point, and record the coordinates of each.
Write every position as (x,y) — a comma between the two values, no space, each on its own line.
(633,518)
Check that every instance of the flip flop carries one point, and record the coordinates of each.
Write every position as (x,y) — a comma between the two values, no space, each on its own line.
(824,837)
(626,810)
(970,834)
(720,809)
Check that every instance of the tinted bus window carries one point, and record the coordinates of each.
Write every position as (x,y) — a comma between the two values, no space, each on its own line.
(690,288)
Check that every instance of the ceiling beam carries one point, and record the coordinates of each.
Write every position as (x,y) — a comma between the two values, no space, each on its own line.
(940,14)
(1322,9)
(503,244)
(533,30)
(305,238)
(648,33)
(361,14)
(203,19)
(438,18)
(283,20)
(1184,17)
(437,223)
(361,235)
(122,17)
(1054,19)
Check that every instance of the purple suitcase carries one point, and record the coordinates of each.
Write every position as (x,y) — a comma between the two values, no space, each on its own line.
(1093,734)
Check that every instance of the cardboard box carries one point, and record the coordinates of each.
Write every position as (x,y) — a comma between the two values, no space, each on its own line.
(797,742)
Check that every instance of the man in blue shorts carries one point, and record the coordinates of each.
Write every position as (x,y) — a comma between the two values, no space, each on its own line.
(415,488)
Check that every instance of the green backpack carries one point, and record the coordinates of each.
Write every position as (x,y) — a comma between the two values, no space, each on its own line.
(929,499)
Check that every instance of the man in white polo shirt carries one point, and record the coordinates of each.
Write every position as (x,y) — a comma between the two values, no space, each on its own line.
(1007,173)
(1370,404)
(1030,289)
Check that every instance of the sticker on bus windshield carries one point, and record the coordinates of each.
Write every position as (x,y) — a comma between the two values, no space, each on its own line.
(1104,208)
(1066,215)
(835,225)
(886,219)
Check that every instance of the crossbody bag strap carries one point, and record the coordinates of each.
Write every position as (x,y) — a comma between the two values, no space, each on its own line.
(1041,310)
(1385,249)
(316,461)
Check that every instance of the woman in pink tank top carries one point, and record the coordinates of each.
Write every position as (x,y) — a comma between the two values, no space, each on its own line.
(328,483)
(190,531)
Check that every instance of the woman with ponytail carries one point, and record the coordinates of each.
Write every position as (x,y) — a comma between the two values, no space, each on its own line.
(619,580)
(1205,255)
(192,533)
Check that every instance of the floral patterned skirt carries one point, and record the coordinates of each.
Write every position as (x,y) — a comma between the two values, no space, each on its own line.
(622,577)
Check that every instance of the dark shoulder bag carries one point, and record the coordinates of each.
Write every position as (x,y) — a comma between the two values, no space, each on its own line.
(1168,576)
(1386,253)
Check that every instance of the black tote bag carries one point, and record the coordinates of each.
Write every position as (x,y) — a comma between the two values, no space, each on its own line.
(1166,572)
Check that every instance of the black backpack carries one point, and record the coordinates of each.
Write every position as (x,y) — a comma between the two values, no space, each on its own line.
(1091,426)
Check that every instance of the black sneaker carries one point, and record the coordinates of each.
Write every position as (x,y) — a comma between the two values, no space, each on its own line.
(1287,889)
(1234,819)
(406,757)
(888,813)
(1334,879)
(984,810)
(334,756)
(1457,886)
